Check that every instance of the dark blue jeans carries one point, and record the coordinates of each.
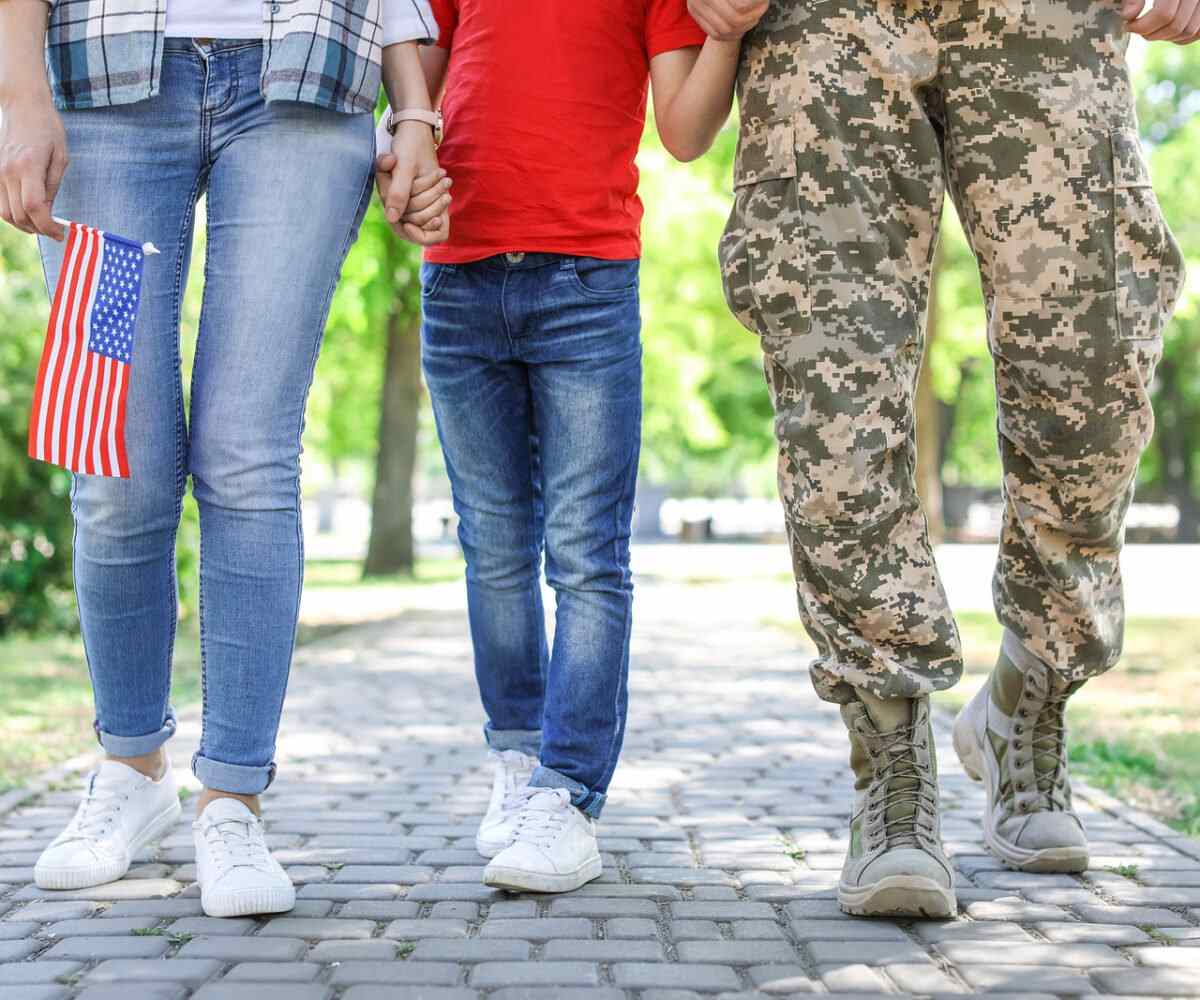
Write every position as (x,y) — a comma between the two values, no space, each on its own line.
(534,366)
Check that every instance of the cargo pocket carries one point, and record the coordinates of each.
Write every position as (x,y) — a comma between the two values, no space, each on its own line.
(762,249)
(1148,261)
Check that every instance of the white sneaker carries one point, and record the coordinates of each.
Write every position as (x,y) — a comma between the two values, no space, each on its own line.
(121,812)
(553,849)
(510,779)
(237,875)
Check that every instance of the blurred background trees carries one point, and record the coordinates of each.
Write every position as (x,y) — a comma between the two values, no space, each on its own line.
(708,420)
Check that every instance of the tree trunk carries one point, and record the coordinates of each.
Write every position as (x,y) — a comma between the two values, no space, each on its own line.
(929,417)
(391,548)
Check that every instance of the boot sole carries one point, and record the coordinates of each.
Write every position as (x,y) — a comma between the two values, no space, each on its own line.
(517,880)
(1048,860)
(899,896)
(90,876)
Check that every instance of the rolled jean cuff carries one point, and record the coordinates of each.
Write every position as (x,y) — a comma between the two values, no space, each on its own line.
(582,798)
(237,778)
(136,746)
(527,741)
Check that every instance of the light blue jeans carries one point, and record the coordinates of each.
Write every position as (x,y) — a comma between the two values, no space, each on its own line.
(534,367)
(286,186)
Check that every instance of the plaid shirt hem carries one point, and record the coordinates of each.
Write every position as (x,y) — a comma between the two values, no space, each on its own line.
(101,53)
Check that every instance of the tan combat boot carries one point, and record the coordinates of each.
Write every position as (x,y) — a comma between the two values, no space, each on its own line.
(895,865)
(1012,736)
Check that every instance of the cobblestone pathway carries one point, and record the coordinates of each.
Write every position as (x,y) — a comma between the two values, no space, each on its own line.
(722,843)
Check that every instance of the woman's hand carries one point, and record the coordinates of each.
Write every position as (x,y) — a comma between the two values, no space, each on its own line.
(414,190)
(33,159)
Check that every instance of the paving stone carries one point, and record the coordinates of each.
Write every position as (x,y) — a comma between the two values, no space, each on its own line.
(292,972)
(14,930)
(1078,956)
(395,973)
(212,926)
(568,907)
(694,930)
(776,980)
(873,953)
(319,929)
(17,973)
(145,991)
(604,951)
(1136,916)
(244,949)
(537,930)
(409,993)
(678,975)
(557,993)
(476,950)
(39,993)
(852,979)
(354,950)
(492,974)
(262,991)
(120,927)
(1082,933)
(14,951)
(631,928)
(923,978)
(94,949)
(1170,958)
(1020,979)
(137,970)
(722,911)
(736,952)
(372,909)
(1148,982)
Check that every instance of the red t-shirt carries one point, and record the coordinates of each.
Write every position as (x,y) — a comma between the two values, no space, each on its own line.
(545,103)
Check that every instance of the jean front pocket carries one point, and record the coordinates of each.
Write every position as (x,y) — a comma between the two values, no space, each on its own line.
(433,277)
(604,279)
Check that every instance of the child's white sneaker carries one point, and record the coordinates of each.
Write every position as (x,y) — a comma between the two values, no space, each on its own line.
(510,778)
(553,849)
(121,812)
(237,875)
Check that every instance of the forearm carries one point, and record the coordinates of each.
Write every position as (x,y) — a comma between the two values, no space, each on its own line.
(22,48)
(690,118)
(404,78)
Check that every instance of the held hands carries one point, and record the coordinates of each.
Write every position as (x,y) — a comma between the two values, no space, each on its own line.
(33,158)
(1175,21)
(414,190)
(727,20)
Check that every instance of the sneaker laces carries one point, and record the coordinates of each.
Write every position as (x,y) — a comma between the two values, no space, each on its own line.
(237,843)
(517,767)
(909,803)
(543,816)
(97,812)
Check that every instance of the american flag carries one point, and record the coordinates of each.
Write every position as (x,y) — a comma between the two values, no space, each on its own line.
(78,418)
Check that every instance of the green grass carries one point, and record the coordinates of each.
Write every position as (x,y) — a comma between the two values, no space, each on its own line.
(1133,730)
(47,715)
(47,695)
(328,573)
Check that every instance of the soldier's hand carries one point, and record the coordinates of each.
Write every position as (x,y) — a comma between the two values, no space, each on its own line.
(1175,21)
(727,20)
(33,158)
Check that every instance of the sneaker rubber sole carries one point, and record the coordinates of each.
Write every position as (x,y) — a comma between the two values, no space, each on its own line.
(248,902)
(1047,860)
(899,896)
(89,876)
(518,880)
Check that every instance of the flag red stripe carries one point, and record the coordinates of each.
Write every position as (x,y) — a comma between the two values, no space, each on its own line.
(40,385)
(82,412)
(106,417)
(119,428)
(93,408)
(78,344)
(73,427)
(55,336)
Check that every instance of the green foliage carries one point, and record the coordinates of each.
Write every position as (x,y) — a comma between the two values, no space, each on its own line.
(35,518)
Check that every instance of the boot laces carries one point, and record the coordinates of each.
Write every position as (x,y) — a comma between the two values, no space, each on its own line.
(543,816)
(910,789)
(1048,746)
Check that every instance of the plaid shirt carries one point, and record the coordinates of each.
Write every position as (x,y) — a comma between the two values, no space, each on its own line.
(324,52)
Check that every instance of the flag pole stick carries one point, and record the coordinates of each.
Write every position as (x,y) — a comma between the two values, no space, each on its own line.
(147,248)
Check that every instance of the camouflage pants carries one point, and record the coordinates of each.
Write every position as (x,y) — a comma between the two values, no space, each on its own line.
(857,117)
